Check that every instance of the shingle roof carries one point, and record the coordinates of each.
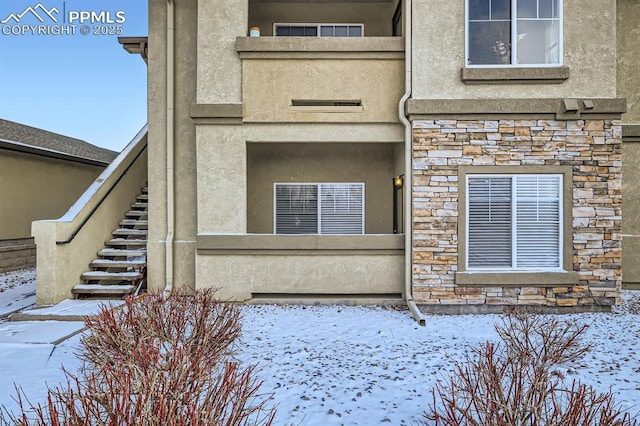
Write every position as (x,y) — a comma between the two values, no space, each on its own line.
(37,138)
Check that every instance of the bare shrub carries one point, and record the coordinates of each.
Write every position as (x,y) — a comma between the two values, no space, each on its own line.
(518,382)
(159,361)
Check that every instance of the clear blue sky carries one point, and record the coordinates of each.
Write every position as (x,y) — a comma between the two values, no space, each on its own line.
(83,86)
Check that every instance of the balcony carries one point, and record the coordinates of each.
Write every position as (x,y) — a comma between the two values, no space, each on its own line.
(317,79)
(380,18)
(308,76)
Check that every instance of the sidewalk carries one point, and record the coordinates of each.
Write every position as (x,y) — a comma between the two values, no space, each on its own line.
(36,342)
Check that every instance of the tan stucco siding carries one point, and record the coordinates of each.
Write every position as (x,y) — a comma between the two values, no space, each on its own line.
(238,276)
(628,32)
(630,207)
(372,164)
(223,172)
(219,74)
(589,53)
(35,187)
(270,85)
(186,56)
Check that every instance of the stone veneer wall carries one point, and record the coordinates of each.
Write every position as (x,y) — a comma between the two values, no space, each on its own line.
(594,150)
(17,254)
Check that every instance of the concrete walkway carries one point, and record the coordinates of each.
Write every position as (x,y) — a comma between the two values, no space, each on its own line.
(49,325)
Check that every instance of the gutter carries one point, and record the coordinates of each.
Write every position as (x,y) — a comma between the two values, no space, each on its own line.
(408,168)
(170,144)
(50,153)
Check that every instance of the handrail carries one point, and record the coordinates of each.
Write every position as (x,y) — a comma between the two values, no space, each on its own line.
(83,209)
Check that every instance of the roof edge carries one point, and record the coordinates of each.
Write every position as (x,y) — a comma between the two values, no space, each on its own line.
(49,153)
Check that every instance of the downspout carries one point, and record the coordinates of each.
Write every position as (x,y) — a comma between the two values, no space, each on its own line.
(170,143)
(408,167)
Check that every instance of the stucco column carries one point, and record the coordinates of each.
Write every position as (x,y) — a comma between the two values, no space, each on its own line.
(219,67)
(222,181)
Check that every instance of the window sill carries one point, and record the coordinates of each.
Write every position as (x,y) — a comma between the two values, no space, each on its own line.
(507,75)
(510,278)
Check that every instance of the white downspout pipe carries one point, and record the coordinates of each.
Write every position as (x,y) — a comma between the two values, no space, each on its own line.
(170,147)
(408,166)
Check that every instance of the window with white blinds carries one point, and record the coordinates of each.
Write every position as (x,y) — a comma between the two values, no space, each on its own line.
(319,208)
(514,222)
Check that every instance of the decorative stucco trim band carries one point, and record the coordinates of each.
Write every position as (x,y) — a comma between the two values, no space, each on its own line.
(631,133)
(299,244)
(320,48)
(531,108)
(555,75)
(231,113)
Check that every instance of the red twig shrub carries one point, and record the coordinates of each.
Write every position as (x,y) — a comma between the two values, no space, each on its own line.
(159,361)
(517,382)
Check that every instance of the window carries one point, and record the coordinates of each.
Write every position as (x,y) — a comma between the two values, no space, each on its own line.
(514,32)
(325,208)
(318,30)
(514,222)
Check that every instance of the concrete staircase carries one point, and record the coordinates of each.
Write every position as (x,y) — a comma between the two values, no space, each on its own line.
(120,268)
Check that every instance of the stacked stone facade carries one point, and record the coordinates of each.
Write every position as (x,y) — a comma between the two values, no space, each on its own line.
(592,149)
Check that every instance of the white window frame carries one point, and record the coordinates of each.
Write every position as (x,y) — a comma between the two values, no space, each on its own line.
(319,186)
(514,223)
(318,26)
(514,36)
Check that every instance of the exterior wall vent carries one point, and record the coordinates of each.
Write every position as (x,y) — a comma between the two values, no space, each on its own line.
(329,105)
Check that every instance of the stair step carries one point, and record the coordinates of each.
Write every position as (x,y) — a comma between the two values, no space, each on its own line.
(129,231)
(143,197)
(134,222)
(139,205)
(110,252)
(111,276)
(125,242)
(107,263)
(116,289)
(144,190)
(137,213)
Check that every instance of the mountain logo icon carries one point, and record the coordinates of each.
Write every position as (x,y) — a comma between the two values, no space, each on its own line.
(38,11)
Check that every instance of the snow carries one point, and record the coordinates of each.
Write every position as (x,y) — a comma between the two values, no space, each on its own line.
(17,291)
(73,308)
(335,365)
(339,365)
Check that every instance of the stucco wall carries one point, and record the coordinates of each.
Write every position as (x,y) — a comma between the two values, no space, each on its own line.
(186,55)
(630,207)
(270,85)
(589,52)
(35,187)
(376,16)
(300,274)
(222,162)
(329,162)
(628,32)
(218,23)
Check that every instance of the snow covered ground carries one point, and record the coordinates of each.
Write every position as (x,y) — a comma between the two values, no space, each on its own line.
(335,365)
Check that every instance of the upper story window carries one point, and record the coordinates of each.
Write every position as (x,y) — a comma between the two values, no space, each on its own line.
(318,30)
(514,32)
